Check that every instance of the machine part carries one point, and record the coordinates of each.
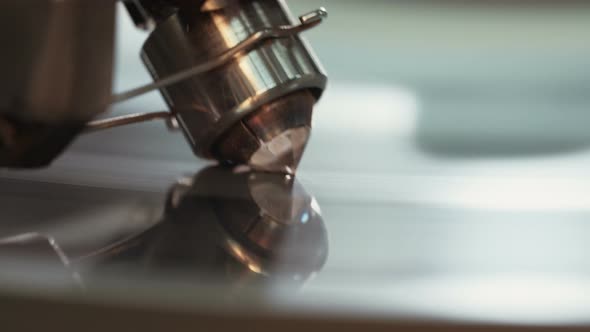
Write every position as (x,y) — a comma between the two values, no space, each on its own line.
(124,120)
(139,15)
(56,75)
(242,60)
(26,143)
(272,138)
(217,4)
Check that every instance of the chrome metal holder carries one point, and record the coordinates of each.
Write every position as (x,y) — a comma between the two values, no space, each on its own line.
(307,21)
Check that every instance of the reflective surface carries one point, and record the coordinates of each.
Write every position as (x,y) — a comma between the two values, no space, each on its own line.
(239,228)
(461,194)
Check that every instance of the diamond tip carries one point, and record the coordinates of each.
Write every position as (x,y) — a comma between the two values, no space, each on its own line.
(282,153)
(271,139)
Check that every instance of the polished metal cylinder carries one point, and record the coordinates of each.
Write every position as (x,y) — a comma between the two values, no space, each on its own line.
(208,105)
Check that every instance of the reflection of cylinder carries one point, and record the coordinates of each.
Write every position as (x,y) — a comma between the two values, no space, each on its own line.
(272,225)
(208,105)
(232,227)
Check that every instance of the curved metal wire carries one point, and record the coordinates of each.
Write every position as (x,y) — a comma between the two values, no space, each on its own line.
(123,120)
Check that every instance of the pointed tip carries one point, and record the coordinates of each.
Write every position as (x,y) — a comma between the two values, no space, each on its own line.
(282,153)
(271,139)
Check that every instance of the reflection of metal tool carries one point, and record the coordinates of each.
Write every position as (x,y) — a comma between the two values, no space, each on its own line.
(239,80)
(235,228)
(232,226)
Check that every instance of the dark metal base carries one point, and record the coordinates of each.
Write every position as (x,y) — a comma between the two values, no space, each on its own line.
(33,144)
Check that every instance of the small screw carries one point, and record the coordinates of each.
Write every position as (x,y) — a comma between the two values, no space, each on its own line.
(314,16)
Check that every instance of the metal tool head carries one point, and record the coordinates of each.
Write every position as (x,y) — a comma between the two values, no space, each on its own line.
(272,138)
(256,82)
